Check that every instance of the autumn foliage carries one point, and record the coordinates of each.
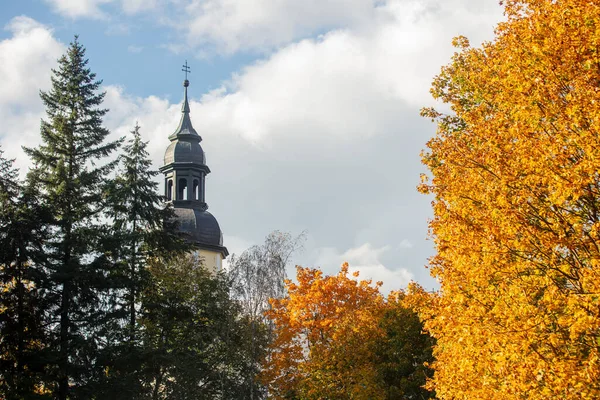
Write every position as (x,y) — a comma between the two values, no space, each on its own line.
(515,175)
(339,338)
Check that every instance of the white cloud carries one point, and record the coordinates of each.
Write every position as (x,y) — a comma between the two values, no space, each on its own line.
(366,259)
(405,244)
(232,25)
(310,89)
(118,29)
(392,279)
(25,62)
(347,83)
(135,49)
(175,48)
(93,9)
(79,8)
(365,254)
(136,6)
(157,118)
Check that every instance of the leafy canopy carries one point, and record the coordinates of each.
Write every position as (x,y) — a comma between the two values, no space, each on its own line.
(339,338)
(514,171)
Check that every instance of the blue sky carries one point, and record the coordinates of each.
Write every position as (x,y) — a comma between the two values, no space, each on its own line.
(309,110)
(126,47)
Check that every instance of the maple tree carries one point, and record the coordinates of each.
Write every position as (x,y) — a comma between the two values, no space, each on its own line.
(516,211)
(339,338)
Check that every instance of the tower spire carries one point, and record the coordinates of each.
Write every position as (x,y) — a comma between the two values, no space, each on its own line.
(185,128)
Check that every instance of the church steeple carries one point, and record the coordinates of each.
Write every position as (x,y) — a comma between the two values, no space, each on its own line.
(185,173)
(185,128)
(185,166)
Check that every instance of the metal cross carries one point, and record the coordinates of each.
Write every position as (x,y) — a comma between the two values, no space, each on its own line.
(186,69)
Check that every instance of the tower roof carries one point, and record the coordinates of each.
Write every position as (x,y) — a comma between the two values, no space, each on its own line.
(201,228)
(185,141)
(185,130)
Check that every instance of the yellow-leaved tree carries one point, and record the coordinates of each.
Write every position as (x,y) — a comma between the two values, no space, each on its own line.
(515,171)
(339,338)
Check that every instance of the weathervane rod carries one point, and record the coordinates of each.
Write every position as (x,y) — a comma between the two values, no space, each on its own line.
(186,69)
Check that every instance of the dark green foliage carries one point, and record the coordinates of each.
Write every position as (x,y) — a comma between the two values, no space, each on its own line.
(69,173)
(194,333)
(402,354)
(136,213)
(138,218)
(20,310)
(9,185)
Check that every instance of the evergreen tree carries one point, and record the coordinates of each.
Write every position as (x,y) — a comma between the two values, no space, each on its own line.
(9,185)
(139,231)
(20,310)
(137,215)
(69,172)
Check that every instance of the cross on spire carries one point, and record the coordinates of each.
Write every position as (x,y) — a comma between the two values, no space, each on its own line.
(186,69)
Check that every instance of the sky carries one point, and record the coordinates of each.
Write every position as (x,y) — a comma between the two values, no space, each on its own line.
(308,110)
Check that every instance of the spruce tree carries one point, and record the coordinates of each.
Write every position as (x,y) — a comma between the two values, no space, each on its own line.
(69,169)
(138,216)
(20,310)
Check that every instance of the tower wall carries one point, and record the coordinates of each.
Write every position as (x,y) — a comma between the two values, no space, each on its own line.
(213,261)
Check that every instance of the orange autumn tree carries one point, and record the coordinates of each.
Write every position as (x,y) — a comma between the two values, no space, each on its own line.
(337,338)
(516,177)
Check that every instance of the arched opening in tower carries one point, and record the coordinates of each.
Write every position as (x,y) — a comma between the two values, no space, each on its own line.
(196,190)
(170,190)
(182,195)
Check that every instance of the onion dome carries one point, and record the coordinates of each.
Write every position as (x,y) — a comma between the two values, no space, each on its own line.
(200,226)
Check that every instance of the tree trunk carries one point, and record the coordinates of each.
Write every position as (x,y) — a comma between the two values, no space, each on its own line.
(63,380)
(157,383)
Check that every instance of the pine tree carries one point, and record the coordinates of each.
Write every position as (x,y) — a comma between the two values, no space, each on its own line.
(20,309)
(69,172)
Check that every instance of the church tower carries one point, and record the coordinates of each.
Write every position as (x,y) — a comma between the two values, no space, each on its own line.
(185,173)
